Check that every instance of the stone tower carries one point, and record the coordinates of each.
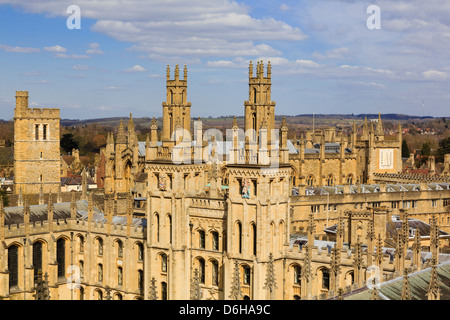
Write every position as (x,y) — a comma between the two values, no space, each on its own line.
(176,109)
(259,109)
(36,147)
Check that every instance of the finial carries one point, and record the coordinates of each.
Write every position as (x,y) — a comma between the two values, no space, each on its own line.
(250,69)
(121,137)
(177,72)
(168,72)
(185,73)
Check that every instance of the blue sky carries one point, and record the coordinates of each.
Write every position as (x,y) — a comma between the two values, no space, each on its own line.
(324,58)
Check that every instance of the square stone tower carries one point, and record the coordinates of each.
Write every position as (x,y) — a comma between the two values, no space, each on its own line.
(36,147)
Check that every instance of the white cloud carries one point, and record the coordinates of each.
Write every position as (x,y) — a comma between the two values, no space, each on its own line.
(219,63)
(94,49)
(19,49)
(136,68)
(200,28)
(284,7)
(81,67)
(71,56)
(338,53)
(434,75)
(55,48)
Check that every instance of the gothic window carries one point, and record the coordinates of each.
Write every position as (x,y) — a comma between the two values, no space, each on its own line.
(325,279)
(163,291)
(215,273)
(297,275)
(36,132)
(99,294)
(201,239)
(215,242)
(81,266)
(239,235)
(37,258)
(119,276)
(163,262)
(253,229)
(140,252)
(100,272)
(44,132)
(330,180)
(310,181)
(117,296)
(350,179)
(61,257)
(140,280)
(81,244)
(13,266)
(157,227)
(246,275)
(201,271)
(100,246)
(120,249)
(169,221)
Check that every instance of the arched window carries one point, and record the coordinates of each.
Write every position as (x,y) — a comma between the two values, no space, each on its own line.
(100,272)
(325,279)
(157,226)
(44,132)
(13,266)
(140,252)
(120,249)
(254,242)
(330,180)
(350,179)
(169,222)
(140,280)
(201,270)
(61,257)
(81,243)
(310,181)
(246,275)
(81,293)
(239,236)
(297,275)
(215,240)
(215,273)
(100,246)
(37,258)
(201,239)
(163,291)
(163,262)
(117,296)
(119,276)
(98,294)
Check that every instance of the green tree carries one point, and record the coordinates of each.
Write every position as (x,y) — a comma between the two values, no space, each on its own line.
(405,149)
(426,149)
(4,197)
(68,142)
(443,149)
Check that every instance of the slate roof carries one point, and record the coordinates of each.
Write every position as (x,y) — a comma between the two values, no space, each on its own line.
(418,282)
(14,215)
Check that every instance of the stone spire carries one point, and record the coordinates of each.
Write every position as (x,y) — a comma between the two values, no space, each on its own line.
(152,294)
(406,290)
(20,199)
(379,128)
(84,184)
(73,205)
(41,287)
(121,136)
(434,291)
(270,283)
(236,292)
(416,249)
(195,286)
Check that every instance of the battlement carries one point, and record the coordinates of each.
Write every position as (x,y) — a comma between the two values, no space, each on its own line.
(176,80)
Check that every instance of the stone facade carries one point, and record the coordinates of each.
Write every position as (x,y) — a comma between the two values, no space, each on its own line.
(36,147)
(226,225)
